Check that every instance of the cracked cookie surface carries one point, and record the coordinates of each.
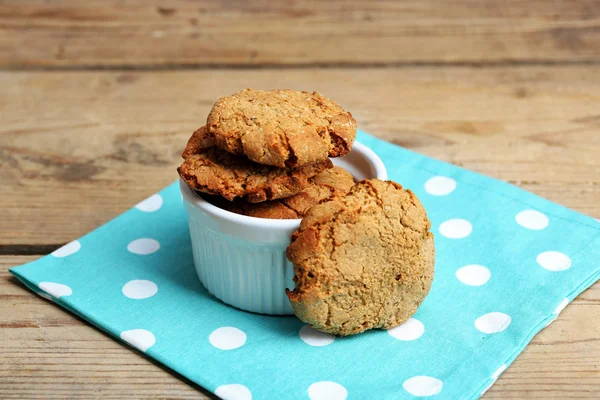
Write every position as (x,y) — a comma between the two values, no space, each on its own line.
(284,128)
(329,184)
(210,170)
(363,261)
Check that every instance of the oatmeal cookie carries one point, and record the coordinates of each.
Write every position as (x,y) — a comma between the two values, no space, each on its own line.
(283,128)
(211,170)
(363,261)
(329,184)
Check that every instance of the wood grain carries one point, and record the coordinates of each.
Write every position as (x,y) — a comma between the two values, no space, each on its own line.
(78,148)
(139,34)
(48,353)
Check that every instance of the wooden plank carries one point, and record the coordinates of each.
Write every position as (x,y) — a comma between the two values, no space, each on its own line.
(78,148)
(49,353)
(134,33)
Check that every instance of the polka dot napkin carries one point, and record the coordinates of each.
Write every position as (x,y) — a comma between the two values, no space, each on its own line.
(507,263)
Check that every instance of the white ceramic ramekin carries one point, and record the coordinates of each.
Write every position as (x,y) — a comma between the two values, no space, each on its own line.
(241,260)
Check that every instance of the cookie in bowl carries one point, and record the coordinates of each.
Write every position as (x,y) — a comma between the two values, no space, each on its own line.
(328,185)
(208,169)
(248,177)
(283,128)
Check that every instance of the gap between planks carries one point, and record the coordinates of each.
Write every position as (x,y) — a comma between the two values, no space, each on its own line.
(274,66)
(28,249)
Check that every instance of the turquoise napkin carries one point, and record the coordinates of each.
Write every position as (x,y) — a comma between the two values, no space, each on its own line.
(507,263)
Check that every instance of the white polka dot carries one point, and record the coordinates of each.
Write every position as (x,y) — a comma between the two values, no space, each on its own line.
(139,338)
(456,228)
(227,338)
(493,322)
(473,275)
(44,295)
(139,289)
(67,249)
(143,246)
(561,306)
(235,391)
(440,186)
(151,204)
(410,330)
(55,289)
(313,337)
(327,390)
(422,386)
(499,371)
(532,219)
(554,261)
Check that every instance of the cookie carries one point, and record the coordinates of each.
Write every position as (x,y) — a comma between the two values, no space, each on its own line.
(284,128)
(210,170)
(198,142)
(329,184)
(362,261)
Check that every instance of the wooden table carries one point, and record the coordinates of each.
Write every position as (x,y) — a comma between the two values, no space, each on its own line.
(98,98)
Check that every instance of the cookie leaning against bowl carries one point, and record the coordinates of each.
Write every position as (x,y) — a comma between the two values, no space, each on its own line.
(284,128)
(329,184)
(363,261)
(210,170)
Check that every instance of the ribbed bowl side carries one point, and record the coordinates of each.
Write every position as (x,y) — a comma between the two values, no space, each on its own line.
(246,276)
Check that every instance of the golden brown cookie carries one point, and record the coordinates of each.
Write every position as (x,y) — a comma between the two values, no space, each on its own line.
(362,261)
(210,170)
(198,143)
(284,128)
(329,184)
